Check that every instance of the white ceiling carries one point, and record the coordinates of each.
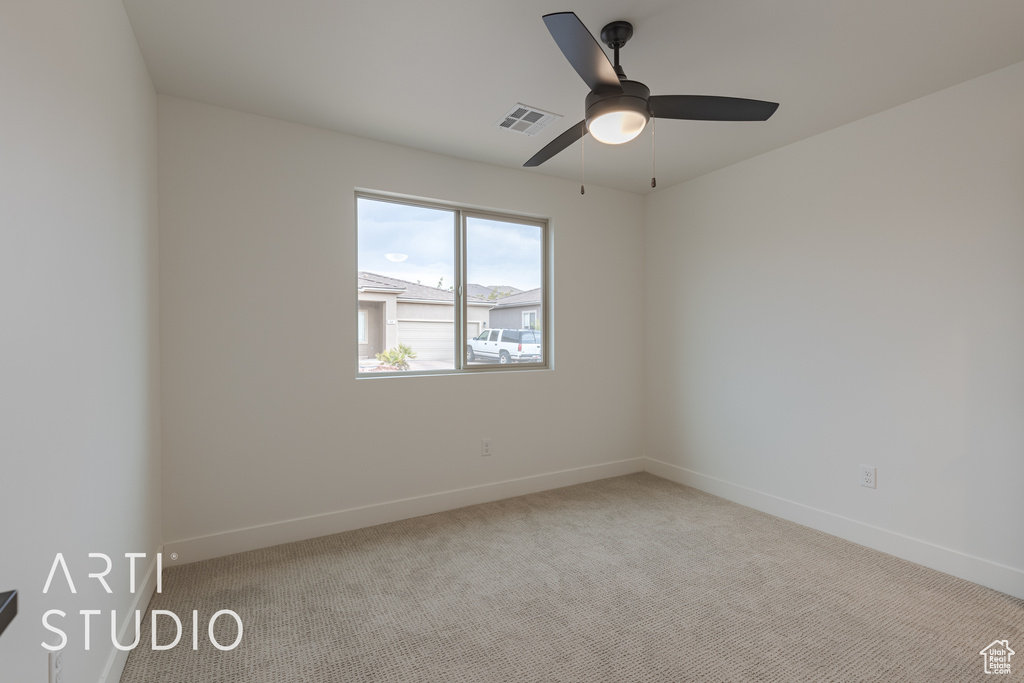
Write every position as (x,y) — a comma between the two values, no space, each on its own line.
(439,75)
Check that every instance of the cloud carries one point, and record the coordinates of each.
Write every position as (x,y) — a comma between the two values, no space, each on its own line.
(497,252)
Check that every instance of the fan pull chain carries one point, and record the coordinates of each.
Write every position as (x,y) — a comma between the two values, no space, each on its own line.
(654,182)
(583,155)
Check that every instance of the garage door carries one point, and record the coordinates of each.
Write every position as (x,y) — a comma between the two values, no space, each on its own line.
(430,340)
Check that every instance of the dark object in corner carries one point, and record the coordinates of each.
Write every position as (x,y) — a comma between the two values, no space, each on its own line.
(8,608)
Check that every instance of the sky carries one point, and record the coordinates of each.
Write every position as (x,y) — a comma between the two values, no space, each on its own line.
(417,244)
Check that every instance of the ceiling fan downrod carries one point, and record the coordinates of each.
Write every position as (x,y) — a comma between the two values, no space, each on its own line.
(616,35)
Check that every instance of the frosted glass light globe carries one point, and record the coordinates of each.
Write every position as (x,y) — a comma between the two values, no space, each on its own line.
(617,127)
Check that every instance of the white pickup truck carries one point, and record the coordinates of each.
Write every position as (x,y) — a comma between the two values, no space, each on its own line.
(504,346)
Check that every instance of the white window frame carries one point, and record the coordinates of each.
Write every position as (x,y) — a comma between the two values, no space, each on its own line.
(531,314)
(462,215)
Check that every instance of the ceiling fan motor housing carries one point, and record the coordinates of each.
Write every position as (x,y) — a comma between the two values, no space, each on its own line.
(635,97)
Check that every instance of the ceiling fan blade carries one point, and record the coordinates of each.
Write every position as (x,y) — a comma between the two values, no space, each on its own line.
(711,108)
(582,50)
(558,144)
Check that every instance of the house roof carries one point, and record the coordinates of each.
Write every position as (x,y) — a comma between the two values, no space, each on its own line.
(530,296)
(411,291)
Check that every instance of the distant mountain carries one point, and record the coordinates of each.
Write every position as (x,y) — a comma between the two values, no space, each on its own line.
(492,292)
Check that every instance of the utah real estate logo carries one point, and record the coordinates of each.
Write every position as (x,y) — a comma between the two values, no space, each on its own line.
(997,657)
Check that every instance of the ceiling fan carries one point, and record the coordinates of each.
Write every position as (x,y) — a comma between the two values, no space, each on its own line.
(617,108)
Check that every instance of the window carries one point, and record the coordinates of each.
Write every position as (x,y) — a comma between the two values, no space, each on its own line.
(530,320)
(444,289)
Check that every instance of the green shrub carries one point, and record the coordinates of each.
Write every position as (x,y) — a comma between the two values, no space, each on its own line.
(397,358)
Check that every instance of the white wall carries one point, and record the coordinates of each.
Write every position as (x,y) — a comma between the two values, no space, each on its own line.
(79,458)
(855,298)
(264,422)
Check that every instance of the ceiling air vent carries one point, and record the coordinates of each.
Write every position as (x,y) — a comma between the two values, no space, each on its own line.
(526,120)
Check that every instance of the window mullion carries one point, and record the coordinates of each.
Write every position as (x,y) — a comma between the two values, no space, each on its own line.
(460,290)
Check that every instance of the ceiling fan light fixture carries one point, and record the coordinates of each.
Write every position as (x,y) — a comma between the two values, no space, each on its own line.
(617,127)
(615,118)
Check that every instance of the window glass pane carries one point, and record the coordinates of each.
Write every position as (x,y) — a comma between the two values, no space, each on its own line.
(406,260)
(504,274)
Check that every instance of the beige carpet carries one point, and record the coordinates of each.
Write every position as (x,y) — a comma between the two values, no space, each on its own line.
(627,579)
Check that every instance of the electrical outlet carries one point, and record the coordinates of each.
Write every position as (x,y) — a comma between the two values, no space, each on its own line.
(56,674)
(485,447)
(867,476)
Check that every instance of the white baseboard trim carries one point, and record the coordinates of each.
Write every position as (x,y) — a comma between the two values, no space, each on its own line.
(975,569)
(117,659)
(266,535)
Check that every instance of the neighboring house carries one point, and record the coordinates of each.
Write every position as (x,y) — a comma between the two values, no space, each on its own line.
(393,311)
(522,310)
